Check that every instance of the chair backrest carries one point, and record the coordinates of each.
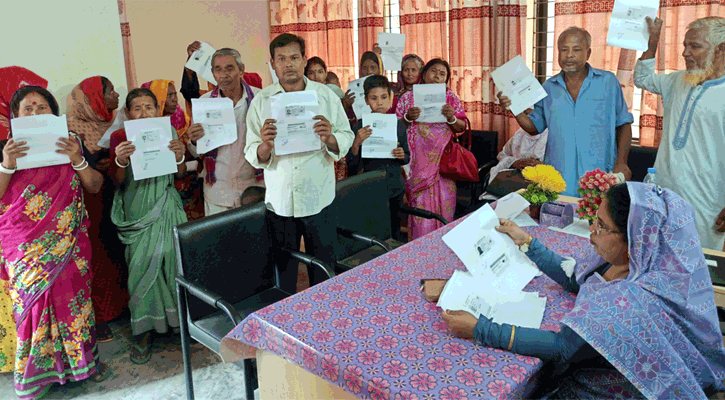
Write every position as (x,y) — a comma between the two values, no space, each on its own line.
(484,146)
(641,158)
(228,253)
(362,205)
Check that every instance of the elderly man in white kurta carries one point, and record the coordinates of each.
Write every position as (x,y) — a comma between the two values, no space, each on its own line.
(691,156)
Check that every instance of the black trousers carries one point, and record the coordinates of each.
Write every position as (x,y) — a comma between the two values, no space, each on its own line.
(320,233)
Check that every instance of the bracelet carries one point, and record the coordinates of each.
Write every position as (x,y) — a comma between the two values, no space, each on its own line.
(180,162)
(119,164)
(405,117)
(8,171)
(455,119)
(80,165)
(513,331)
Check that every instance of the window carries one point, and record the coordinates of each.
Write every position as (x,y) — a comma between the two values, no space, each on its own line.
(540,26)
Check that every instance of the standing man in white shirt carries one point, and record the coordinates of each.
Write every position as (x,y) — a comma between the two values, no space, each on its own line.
(300,187)
(227,174)
(691,153)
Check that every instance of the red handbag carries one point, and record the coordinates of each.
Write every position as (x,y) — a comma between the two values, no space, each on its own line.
(457,162)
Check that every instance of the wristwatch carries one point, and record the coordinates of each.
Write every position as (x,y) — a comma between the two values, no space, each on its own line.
(524,248)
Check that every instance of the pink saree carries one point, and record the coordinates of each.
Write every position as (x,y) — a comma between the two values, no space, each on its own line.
(45,254)
(425,187)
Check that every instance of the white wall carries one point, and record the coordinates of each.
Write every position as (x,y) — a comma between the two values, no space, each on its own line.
(64,42)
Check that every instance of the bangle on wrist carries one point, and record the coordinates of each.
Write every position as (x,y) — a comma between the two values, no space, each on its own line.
(119,164)
(80,167)
(8,171)
(405,117)
(180,162)
(80,164)
(455,119)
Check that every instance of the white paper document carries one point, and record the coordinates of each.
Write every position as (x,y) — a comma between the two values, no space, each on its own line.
(152,157)
(41,133)
(217,117)
(580,227)
(117,124)
(519,84)
(524,220)
(359,106)
(295,127)
(430,98)
(200,62)
(384,138)
(511,205)
(627,27)
(393,47)
(467,292)
(490,254)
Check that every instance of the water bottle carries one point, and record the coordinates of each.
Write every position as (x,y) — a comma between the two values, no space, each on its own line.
(651,176)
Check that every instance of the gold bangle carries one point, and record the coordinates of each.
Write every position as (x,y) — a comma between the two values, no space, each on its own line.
(513,331)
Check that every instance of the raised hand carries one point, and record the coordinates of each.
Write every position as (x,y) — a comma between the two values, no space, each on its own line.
(124,152)
(12,151)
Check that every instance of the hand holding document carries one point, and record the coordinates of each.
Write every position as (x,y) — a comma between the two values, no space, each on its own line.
(519,84)
(627,27)
(384,138)
(295,127)
(217,117)
(393,46)
(41,133)
(152,157)
(359,106)
(430,98)
(200,62)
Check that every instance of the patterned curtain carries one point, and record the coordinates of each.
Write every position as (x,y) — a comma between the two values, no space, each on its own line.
(326,26)
(485,34)
(369,22)
(594,16)
(424,24)
(127,48)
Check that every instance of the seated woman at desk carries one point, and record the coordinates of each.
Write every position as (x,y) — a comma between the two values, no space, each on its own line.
(644,324)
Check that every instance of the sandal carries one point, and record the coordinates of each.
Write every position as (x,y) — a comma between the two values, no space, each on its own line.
(141,349)
(104,334)
(103,372)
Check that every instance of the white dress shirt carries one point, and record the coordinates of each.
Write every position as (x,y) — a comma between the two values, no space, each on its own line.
(299,185)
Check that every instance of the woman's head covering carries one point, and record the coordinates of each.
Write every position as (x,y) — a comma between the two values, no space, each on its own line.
(659,325)
(401,81)
(179,119)
(369,55)
(12,79)
(88,115)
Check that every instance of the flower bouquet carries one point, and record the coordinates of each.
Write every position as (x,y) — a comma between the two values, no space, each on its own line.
(592,188)
(546,184)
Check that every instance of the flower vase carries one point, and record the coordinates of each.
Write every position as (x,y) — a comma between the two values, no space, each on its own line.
(535,211)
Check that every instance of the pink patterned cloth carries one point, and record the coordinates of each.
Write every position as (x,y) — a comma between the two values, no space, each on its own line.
(371,332)
(425,187)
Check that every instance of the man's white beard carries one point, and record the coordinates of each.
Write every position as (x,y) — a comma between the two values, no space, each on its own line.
(694,77)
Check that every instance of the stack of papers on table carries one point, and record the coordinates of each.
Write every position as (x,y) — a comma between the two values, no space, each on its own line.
(497,271)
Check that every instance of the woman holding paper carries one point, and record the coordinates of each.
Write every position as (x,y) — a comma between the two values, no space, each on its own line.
(91,110)
(145,212)
(425,187)
(644,324)
(44,255)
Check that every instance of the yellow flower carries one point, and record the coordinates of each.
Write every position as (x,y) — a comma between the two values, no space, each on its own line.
(20,365)
(33,252)
(33,274)
(47,348)
(79,324)
(40,333)
(87,310)
(54,330)
(546,177)
(71,346)
(62,247)
(64,221)
(33,208)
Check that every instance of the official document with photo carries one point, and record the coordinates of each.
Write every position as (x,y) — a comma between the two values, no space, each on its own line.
(430,98)
(152,157)
(217,117)
(384,138)
(360,107)
(294,113)
(519,84)
(41,133)
(393,47)
(628,27)
(200,62)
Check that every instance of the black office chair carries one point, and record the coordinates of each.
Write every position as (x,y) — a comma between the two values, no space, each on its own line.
(225,273)
(484,146)
(363,219)
(640,158)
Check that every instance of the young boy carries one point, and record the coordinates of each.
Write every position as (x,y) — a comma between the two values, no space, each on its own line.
(379,96)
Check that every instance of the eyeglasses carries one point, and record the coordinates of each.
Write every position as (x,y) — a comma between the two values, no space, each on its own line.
(598,227)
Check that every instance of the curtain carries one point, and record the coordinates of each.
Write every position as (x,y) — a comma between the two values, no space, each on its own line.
(127,48)
(485,34)
(370,21)
(594,16)
(325,25)
(424,24)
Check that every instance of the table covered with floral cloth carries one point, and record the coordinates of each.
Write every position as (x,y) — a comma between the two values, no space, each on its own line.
(371,332)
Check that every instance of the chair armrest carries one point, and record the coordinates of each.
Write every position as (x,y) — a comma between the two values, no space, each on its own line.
(211,298)
(423,214)
(370,241)
(309,260)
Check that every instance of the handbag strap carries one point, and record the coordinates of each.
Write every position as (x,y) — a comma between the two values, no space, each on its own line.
(467,135)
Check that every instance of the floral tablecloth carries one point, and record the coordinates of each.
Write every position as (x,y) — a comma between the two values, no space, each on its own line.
(371,332)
